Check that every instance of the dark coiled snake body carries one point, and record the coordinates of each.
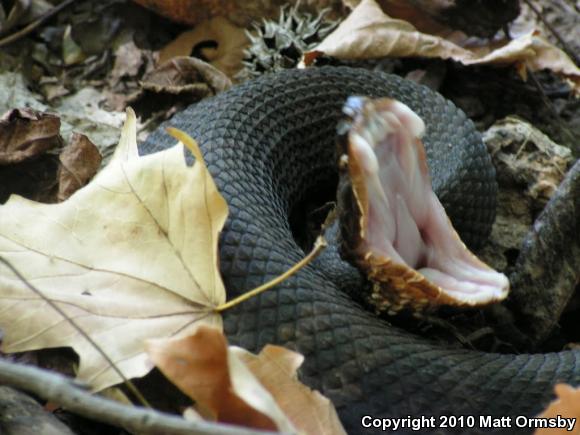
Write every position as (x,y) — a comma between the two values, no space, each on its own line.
(269,143)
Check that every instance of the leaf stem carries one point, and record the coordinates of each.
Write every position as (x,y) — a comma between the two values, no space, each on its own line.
(319,245)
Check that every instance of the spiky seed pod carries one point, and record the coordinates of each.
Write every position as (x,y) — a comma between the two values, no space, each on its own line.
(276,45)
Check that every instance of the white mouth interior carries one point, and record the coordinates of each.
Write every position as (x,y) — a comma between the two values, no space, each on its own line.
(406,222)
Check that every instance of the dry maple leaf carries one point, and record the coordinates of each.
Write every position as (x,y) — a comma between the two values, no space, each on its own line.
(131,256)
(232,385)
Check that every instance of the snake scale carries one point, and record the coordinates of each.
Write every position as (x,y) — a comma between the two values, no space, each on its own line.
(269,143)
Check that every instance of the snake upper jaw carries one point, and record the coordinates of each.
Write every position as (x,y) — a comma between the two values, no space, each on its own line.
(402,237)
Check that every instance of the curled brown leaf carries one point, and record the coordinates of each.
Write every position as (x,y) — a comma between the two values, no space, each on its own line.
(79,160)
(201,366)
(26,133)
(218,41)
(235,386)
(186,75)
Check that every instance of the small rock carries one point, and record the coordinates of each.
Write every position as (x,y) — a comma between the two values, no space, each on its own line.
(529,169)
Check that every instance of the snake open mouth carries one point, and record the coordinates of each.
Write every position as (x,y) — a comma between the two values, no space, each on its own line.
(405,242)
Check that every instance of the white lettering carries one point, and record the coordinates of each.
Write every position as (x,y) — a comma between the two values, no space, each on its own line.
(571,422)
(521,421)
(364,421)
(394,424)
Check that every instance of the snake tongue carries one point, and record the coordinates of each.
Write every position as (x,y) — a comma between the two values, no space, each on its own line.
(406,243)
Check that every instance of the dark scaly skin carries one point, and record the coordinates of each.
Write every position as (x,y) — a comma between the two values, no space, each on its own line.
(554,240)
(266,143)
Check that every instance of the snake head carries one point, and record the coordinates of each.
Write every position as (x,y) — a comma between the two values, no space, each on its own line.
(394,228)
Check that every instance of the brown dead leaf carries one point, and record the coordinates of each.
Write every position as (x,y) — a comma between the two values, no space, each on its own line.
(26,133)
(79,162)
(276,368)
(369,33)
(241,13)
(130,61)
(186,75)
(131,256)
(545,56)
(217,41)
(217,380)
(131,64)
(567,405)
(52,88)
(190,12)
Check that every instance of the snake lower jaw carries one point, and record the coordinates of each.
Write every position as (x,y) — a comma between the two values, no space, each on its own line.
(403,239)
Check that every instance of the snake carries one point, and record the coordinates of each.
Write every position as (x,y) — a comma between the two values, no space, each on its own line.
(269,143)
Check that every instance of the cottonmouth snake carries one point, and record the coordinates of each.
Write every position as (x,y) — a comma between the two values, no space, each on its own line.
(269,143)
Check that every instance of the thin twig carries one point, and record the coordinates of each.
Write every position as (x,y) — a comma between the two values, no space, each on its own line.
(554,32)
(59,310)
(32,26)
(61,390)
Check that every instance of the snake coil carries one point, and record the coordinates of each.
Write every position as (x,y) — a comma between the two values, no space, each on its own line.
(268,143)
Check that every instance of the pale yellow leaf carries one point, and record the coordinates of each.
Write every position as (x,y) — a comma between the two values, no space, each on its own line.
(131,256)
